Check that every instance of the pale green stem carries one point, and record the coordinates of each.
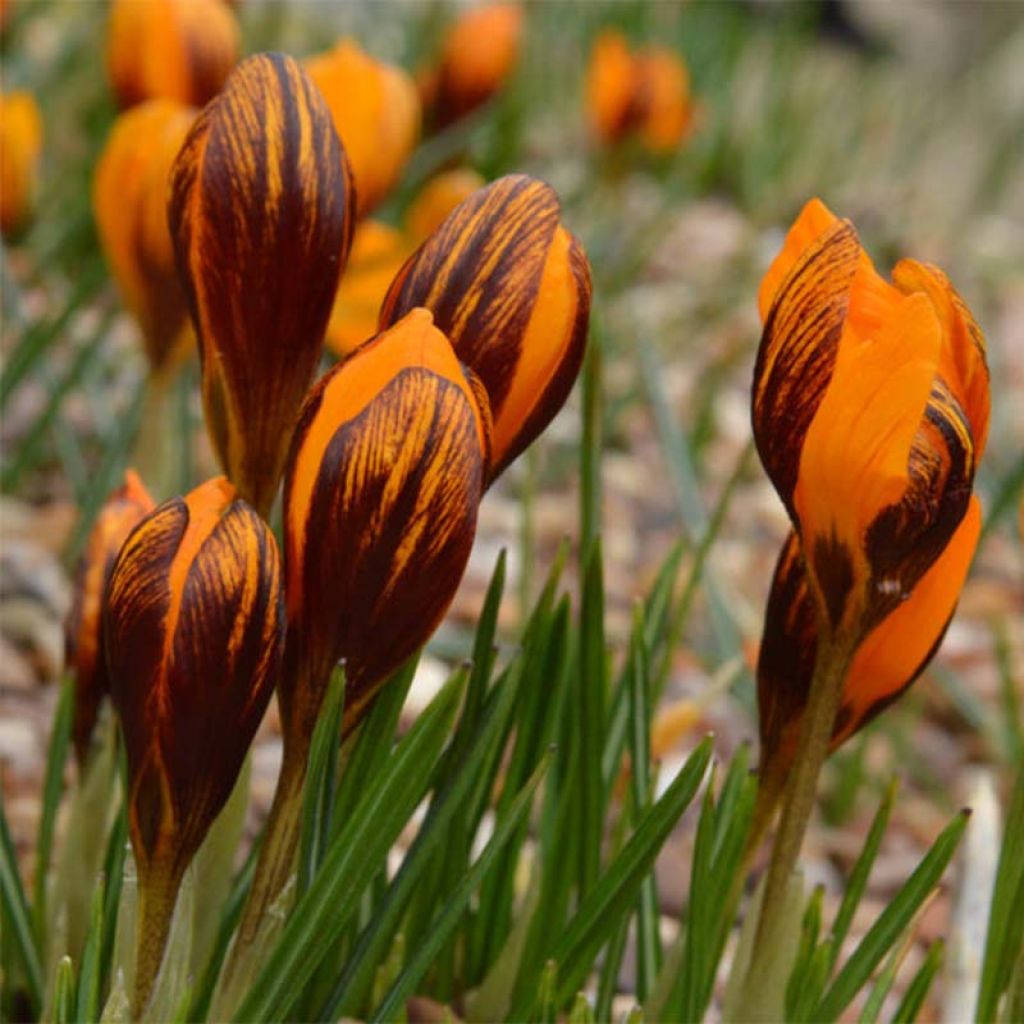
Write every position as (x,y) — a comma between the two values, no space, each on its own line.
(158,892)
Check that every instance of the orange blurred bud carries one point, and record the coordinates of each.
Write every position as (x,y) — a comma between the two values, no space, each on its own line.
(644,93)
(129,196)
(193,625)
(438,198)
(510,288)
(21,144)
(870,412)
(118,517)
(376,112)
(380,503)
(261,216)
(170,49)
(479,54)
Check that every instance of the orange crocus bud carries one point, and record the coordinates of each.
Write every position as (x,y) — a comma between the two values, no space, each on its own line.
(510,288)
(646,94)
(380,501)
(194,625)
(479,54)
(376,111)
(118,517)
(870,412)
(21,143)
(130,204)
(261,215)
(170,49)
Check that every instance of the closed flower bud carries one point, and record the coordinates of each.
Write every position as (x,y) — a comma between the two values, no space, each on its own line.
(479,54)
(21,142)
(118,517)
(261,218)
(170,49)
(510,289)
(378,253)
(644,94)
(376,111)
(380,502)
(870,412)
(130,193)
(193,625)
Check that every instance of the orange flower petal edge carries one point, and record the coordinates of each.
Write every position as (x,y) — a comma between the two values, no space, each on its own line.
(510,289)
(380,503)
(261,183)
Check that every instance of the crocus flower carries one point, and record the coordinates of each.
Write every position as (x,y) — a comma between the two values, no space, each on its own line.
(118,517)
(510,289)
(380,501)
(261,215)
(21,142)
(130,204)
(194,626)
(376,112)
(870,413)
(378,253)
(479,53)
(170,49)
(645,94)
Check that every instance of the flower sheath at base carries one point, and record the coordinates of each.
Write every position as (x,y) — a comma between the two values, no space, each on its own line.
(129,198)
(193,625)
(380,504)
(83,639)
(261,215)
(170,49)
(870,413)
(510,289)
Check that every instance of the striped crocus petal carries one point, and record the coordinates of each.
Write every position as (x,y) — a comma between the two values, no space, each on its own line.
(83,641)
(130,204)
(193,624)
(889,658)
(170,49)
(510,288)
(261,215)
(380,504)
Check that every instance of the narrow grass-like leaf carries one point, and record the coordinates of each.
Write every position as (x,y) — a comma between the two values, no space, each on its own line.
(1009,690)
(318,794)
(616,891)
(53,788)
(590,443)
(321,915)
(608,979)
(113,876)
(547,995)
(917,991)
(448,918)
(63,997)
(17,922)
(1004,943)
(891,923)
(87,998)
(887,976)
(796,988)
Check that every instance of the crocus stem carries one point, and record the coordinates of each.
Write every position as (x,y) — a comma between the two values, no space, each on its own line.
(156,447)
(830,668)
(158,893)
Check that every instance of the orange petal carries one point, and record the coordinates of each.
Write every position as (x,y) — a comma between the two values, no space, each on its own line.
(21,142)
(261,186)
(855,459)
(170,49)
(376,112)
(662,99)
(962,363)
(510,289)
(380,504)
(438,198)
(130,204)
(610,87)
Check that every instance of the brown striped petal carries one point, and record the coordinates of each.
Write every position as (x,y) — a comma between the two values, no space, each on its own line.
(510,288)
(179,50)
(479,54)
(193,626)
(376,112)
(118,517)
(21,142)
(380,503)
(889,658)
(261,216)
(129,196)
